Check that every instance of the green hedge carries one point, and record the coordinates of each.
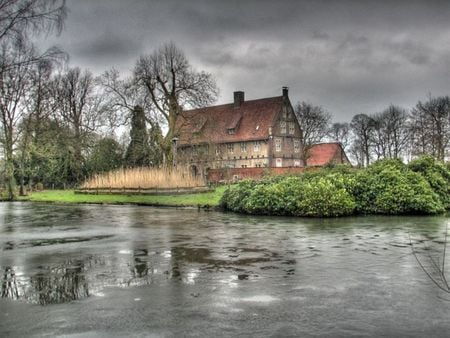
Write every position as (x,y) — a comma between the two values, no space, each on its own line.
(386,187)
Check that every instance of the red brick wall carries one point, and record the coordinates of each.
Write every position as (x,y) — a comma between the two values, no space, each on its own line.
(233,174)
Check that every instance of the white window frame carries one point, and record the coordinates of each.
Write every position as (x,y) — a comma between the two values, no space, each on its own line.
(278,144)
(283,127)
(291,128)
(230,147)
(243,147)
(296,146)
(256,146)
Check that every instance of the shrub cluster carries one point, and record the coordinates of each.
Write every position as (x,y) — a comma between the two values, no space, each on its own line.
(386,187)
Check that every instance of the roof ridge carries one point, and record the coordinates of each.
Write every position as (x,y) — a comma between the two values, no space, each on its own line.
(231,103)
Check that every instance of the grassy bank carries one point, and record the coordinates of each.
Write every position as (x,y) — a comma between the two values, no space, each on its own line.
(68,196)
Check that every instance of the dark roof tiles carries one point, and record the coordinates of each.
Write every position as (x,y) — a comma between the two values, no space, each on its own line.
(250,121)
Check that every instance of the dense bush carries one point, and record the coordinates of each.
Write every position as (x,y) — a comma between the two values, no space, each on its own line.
(304,195)
(390,187)
(437,175)
(386,187)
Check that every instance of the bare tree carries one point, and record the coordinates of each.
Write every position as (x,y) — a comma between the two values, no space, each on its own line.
(314,124)
(363,128)
(391,132)
(17,68)
(340,132)
(430,123)
(20,17)
(173,85)
(80,108)
(123,96)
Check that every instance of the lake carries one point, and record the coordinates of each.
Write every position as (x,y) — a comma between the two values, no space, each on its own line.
(102,271)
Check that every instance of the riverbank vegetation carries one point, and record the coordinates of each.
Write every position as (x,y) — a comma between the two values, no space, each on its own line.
(145,178)
(387,187)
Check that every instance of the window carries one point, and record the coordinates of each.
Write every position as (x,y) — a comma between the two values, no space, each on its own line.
(231,131)
(278,144)
(243,147)
(296,146)
(230,147)
(256,145)
(279,162)
(296,163)
(283,127)
(291,128)
(217,150)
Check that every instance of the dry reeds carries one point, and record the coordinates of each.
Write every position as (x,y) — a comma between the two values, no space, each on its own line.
(145,178)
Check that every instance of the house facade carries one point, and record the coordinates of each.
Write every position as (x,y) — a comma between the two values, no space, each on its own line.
(261,133)
(243,134)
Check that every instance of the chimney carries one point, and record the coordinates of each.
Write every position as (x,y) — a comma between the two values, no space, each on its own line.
(238,99)
(285,92)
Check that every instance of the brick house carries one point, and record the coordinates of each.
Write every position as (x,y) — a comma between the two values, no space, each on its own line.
(234,137)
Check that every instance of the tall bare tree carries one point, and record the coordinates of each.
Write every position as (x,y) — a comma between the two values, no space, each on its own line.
(19,18)
(173,85)
(17,67)
(390,132)
(314,124)
(363,128)
(79,108)
(430,123)
(340,132)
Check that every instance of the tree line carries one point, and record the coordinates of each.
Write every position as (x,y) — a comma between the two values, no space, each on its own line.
(59,123)
(394,133)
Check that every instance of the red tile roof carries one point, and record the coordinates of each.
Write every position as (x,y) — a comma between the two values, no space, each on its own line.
(251,121)
(324,153)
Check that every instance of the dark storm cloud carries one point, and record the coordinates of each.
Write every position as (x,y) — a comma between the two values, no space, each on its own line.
(109,47)
(349,56)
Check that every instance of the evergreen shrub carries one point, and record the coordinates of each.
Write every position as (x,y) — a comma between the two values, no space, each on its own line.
(386,187)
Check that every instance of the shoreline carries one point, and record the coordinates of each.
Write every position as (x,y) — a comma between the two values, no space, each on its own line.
(202,200)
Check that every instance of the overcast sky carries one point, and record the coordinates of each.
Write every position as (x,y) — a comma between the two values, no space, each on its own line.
(348,56)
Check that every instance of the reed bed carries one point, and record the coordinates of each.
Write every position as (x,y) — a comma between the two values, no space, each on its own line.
(145,178)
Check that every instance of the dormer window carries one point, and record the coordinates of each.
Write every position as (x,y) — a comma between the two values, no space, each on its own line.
(231,131)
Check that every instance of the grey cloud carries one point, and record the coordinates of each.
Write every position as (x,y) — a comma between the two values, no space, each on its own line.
(109,46)
(350,56)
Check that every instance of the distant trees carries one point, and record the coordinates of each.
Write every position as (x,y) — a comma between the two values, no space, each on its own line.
(430,125)
(340,132)
(362,127)
(19,59)
(314,124)
(79,108)
(396,133)
(105,155)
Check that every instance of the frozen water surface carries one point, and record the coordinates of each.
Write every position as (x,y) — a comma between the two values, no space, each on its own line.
(85,270)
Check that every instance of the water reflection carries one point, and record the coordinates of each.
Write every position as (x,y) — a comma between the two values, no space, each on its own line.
(80,250)
(9,284)
(59,284)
